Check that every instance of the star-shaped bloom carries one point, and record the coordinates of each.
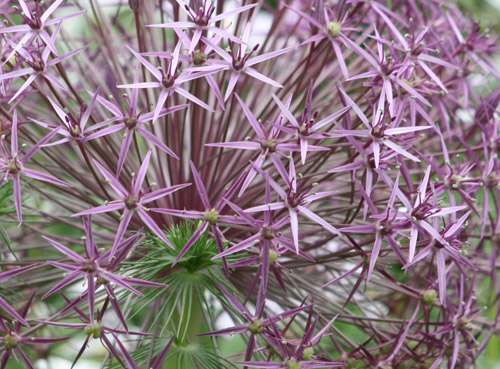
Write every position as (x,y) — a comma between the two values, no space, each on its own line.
(380,132)
(242,62)
(132,121)
(255,323)
(267,237)
(267,143)
(36,24)
(422,210)
(12,167)
(73,130)
(132,201)
(451,248)
(476,45)
(210,217)
(417,51)
(307,129)
(296,354)
(11,339)
(461,323)
(366,162)
(97,330)
(332,27)
(295,200)
(95,269)
(385,228)
(197,58)
(203,21)
(390,69)
(39,65)
(171,80)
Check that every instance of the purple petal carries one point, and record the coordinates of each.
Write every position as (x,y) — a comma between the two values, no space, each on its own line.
(113,182)
(252,72)
(374,256)
(200,186)
(70,278)
(142,174)
(64,250)
(17,198)
(315,218)
(157,364)
(163,192)
(230,86)
(122,228)
(193,98)
(44,177)
(192,240)
(156,141)
(441,270)
(151,224)
(111,206)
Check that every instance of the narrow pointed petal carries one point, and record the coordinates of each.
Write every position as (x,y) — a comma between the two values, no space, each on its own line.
(66,251)
(122,228)
(113,182)
(151,224)
(24,87)
(150,67)
(163,192)
(156,141)
(17,198)
(44,177)
(373,259)
(294,225)
(142,173)
(193,98)
(202,191)
(315,218)
(111,206)
(230,86)
(441,270)
(252,72)
(400,150)
(158,363)
(192,240)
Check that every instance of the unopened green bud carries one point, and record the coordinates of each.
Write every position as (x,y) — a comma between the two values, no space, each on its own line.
(429,297)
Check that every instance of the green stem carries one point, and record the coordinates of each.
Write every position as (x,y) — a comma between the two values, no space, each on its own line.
(190,318)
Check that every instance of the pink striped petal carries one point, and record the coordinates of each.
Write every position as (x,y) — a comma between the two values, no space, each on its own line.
(151,224)
(139,180)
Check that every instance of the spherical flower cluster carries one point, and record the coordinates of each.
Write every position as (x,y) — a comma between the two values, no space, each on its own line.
(257,184)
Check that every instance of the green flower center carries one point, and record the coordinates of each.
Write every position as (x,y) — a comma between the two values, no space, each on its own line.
(95,331)
(90,267)
(14,167)
(308,353)
(429,296)
(199,57)
(11,340)
(211,216)
(267,233)
(333,28)
(75,131)
(293,364)
(270,145)
(273,256)
(256,326)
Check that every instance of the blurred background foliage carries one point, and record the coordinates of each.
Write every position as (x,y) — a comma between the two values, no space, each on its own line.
(487,12)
